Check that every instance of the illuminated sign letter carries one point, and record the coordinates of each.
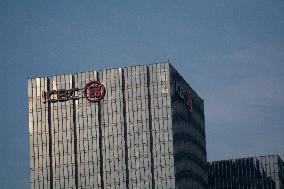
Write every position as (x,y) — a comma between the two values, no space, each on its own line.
(52,96)
(73,94)
(62,95)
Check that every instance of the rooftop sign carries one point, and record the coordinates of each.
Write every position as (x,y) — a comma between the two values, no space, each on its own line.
(93,91)
(185,95)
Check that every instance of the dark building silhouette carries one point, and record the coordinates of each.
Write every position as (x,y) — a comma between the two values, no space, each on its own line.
(265,172)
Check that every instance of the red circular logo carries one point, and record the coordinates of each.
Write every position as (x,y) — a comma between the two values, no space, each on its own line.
(94,91)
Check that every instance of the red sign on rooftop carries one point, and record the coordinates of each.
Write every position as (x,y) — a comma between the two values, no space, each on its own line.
(94,91)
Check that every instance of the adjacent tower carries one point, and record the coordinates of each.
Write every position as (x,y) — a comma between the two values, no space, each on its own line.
(265,172)
(273,166)
(133,127)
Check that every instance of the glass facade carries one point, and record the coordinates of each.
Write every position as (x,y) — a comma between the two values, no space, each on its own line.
(249,173)
(188,135)
(273,166)
(148,130)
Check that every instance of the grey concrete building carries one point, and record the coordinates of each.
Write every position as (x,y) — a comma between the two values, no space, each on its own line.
(132,127)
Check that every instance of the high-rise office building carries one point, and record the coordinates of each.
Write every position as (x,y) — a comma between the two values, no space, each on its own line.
(265,172)
(132,127)
(273,166)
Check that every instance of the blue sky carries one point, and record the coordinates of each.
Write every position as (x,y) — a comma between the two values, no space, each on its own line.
(231,53)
